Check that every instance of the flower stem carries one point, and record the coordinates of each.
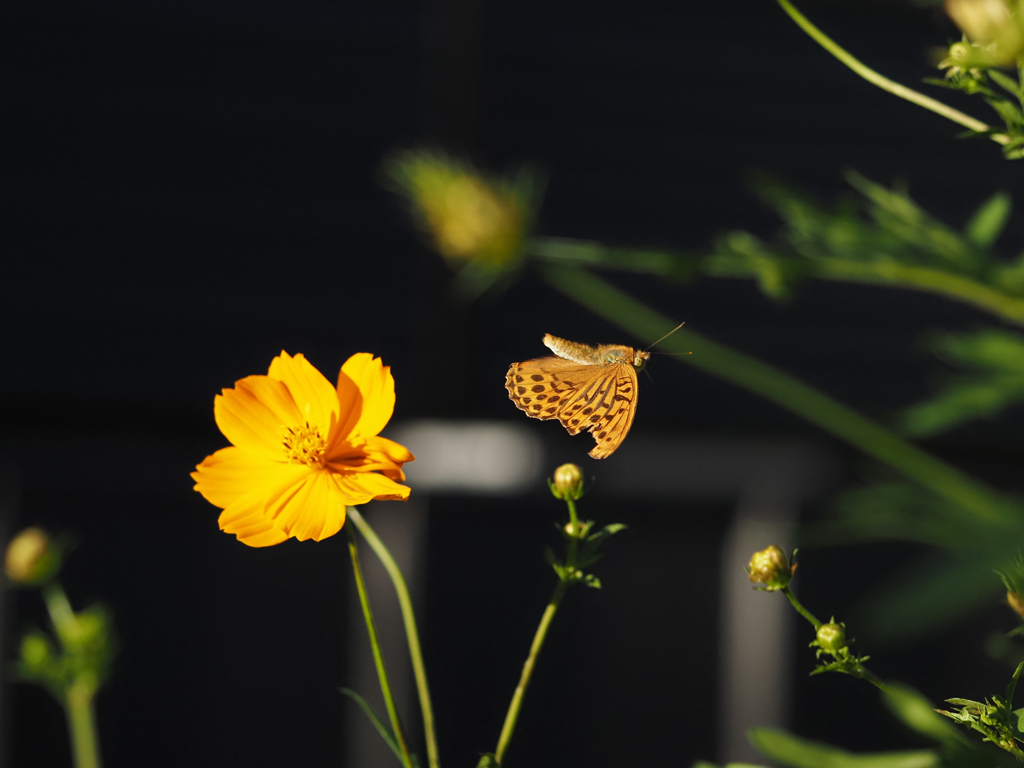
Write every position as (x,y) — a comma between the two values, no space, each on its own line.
(607,301)
(885,83)
(82,726)
(411,633)
(524,680)
(574,539)
(79,696)
(883,272)
(378,656)
(800,608)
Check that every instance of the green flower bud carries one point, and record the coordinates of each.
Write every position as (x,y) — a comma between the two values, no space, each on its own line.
(568,482)
(30,557)
(832,637)
(770,568)
(36,654)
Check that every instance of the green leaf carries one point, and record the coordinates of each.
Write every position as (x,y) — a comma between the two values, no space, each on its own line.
(989,220)
(793,751)
(382,728)
(488,761)
(993,380)
(592,581)
(1012,687)
(916,712)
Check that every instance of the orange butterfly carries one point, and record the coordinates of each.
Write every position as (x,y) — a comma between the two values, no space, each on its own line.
(585,388)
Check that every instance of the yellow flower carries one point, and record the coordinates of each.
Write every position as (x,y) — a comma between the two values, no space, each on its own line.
(302,450)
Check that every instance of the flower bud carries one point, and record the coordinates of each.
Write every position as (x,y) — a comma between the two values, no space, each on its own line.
(770,568)
(37,656)
(470,217)
(832,637)
(994,25)
(568,482)
(1016,601)
(30,557)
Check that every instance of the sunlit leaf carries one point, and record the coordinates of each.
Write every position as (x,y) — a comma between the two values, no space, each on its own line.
(791,750)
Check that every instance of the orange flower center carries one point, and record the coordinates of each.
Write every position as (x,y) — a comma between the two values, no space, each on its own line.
(304,445)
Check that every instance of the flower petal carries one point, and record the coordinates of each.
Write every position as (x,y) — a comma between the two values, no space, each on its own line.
(314,396)
(313,510)
(253,414)
(230,473)
(395,451)
(350,404)
(247,520)
(378,390)
(361,487)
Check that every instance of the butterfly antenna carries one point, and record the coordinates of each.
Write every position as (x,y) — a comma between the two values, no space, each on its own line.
(667,334)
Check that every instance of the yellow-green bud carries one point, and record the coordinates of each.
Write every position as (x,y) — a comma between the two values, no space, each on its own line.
(770,568)
(36,654)
(832,637)
(1016,601)
(568,482)
(30,558)
(993,25)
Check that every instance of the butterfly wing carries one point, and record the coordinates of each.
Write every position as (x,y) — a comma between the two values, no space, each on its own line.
(600,398)
(605,405)
(540,387)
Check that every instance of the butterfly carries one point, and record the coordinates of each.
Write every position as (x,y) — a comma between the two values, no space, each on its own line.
(584,387)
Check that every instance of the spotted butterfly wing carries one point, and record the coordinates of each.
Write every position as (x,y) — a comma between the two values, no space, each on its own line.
(584,387)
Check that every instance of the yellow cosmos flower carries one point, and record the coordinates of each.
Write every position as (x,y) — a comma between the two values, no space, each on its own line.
(302,450)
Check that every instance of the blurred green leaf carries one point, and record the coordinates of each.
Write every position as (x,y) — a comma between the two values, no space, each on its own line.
(487,761)
(899,511)
(996,382)
(791,750)
(989,221)
(918,714)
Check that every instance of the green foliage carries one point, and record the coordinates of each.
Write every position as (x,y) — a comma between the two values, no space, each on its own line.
(787,749)
(993,361)
(587,552)
(488,761)
(995,718)
(975,76)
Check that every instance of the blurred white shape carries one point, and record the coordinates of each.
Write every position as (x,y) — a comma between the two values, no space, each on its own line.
(478,457)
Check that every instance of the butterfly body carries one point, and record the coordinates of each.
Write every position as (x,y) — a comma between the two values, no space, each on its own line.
(584,387)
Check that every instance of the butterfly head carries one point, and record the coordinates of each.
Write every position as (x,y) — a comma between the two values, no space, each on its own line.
(640,359)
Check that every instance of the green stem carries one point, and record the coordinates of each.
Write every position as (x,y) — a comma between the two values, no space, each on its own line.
(78,698)
(524,679)
(378,656)
(623,310)
(801,610)
(82,725)
(574,539)
(885,83)
(411,633)
(884,273)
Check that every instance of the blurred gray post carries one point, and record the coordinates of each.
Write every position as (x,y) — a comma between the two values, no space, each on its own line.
(755,627)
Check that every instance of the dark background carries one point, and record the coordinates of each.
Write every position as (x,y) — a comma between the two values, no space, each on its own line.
(190,187)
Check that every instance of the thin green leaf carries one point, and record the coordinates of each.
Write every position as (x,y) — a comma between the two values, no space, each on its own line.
(382,728)
(916,712)
(799,753)
(989,221)
(1012,687)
